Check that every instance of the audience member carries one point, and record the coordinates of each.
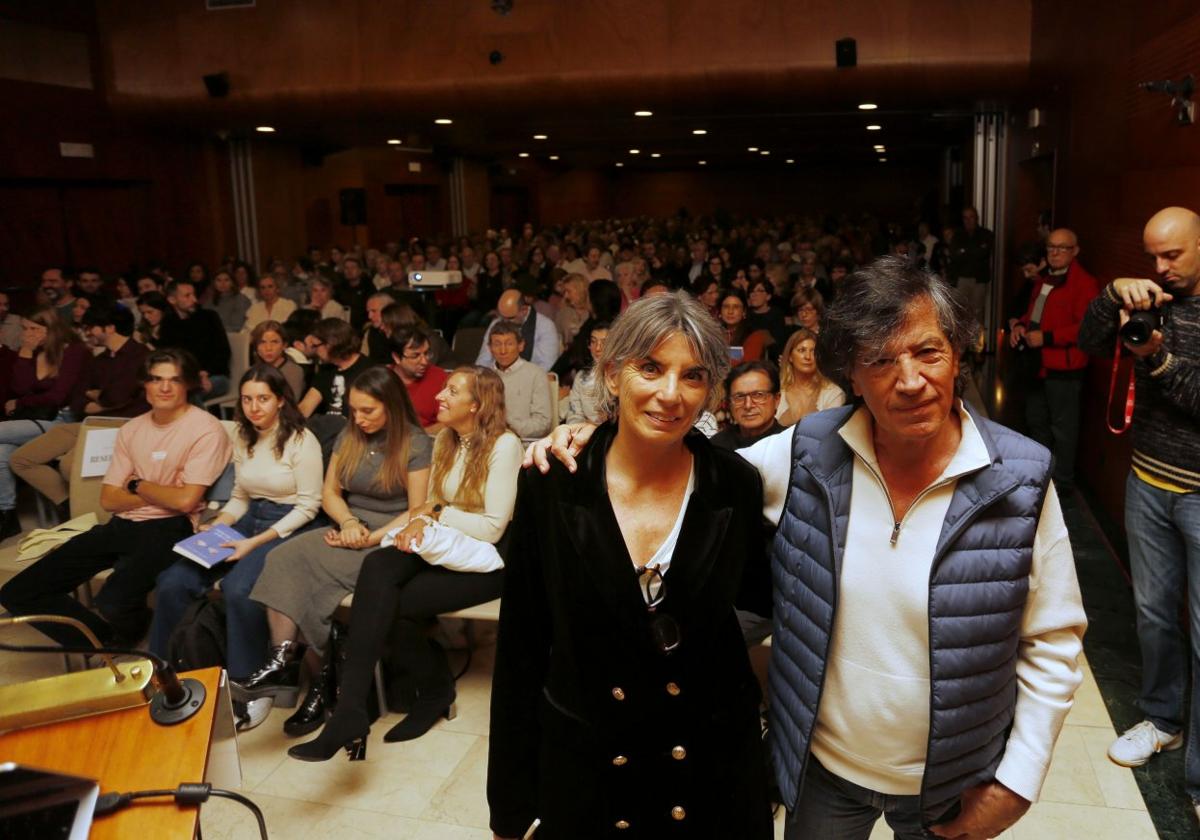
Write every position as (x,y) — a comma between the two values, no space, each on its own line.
(378,471)
(526,392)
(733,317)
(444,559)
(764,314)
(574,309)
(970,261)
(154,310)
(270,306)
(268,343)
(708,292)
(582,406)
(55,290)
(1049,329)
(375,343)
(276,493)
(399,315)
(37,382)
(656,511)
(804,388)
(111,386)
(126,296)
(10,325)
(423,379)
(354,290)
(808,308)
(201,333)
(321,300)
(89,282)
(539,337)
(336,343)
(604,305)
(162,464)
(752,389)
(1162,505)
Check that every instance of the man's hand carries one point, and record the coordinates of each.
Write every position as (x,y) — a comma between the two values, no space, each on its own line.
(987,811)
(1140,293)
(1035,338)
(564,443)
(1017,331)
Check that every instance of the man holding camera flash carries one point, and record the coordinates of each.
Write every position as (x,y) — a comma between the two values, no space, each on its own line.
(1159,323)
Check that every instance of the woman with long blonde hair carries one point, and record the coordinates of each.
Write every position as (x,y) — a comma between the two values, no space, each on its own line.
(803,388)
(378,476)
(444,559)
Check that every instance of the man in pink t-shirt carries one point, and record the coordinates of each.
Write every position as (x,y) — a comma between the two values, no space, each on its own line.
(162,464)
(423,380)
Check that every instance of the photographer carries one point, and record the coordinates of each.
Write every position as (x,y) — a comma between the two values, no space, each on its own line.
(1159,323)
(1047,335)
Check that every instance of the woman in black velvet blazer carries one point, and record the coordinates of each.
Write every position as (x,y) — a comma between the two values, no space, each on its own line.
(596,730)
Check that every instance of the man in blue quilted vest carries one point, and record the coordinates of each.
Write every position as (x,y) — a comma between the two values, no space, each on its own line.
(928,620)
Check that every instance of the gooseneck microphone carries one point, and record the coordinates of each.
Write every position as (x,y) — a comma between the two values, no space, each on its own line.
(176,699)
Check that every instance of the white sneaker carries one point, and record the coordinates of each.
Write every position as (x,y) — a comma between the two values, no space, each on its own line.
(1140,743)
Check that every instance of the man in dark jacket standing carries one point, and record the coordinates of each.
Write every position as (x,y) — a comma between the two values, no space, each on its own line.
(201,333)
(1050,327)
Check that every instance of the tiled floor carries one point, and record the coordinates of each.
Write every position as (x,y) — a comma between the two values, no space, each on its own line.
(433,788)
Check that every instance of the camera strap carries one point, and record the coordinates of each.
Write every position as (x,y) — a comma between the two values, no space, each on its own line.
(1112,389)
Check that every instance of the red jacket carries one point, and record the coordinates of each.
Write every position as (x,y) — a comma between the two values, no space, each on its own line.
(1061,317)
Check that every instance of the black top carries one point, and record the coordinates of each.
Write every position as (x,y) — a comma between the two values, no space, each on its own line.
(203,335)
(731,437)
(334,386)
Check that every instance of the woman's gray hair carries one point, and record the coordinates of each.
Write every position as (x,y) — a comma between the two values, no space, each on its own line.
(646,324)
(872,305)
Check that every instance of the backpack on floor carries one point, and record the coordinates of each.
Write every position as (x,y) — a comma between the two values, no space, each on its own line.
(198,640)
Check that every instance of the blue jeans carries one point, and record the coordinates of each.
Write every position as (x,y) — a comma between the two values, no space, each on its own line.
(1164,553)
(831,808)
(14,433)
(248,639)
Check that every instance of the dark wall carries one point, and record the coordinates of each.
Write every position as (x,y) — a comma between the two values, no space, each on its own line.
(1119,157)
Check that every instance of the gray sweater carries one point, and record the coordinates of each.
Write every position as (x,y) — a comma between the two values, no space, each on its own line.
(1166,416)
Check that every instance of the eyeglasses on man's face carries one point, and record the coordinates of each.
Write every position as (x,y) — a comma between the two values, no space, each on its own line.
(756,397)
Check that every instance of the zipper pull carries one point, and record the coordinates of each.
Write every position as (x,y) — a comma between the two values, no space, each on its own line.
(895,533)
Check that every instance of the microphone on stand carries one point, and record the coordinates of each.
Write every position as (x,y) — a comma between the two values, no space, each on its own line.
(95,691)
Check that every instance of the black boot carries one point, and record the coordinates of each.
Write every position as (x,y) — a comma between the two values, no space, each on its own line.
(318,703)
(347,730)
(10,526)
(278,677)
(434,700)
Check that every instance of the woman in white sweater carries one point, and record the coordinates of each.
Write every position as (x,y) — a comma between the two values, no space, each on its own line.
(804,389)
(276,493)
(445,559)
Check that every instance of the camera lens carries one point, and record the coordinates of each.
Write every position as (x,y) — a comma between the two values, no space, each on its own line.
(1140,326)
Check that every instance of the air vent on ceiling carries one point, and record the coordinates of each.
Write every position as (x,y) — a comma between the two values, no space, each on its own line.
(214,5)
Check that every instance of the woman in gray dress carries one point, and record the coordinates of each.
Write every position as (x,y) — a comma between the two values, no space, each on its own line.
(379,471)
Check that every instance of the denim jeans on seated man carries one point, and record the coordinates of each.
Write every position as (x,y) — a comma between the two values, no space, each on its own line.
(1164,556)
(832,808)
(14,433)
(246,621)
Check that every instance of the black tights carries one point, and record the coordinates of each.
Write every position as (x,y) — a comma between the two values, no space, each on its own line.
(400,590)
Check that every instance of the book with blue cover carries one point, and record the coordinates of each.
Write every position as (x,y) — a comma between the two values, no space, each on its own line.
(205,547)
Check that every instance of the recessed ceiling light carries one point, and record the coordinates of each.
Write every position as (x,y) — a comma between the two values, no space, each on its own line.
(635,151)
(764,152)
(539,137)
(867,106)
(655,154)
(523,154)
(883,160)
(393,142)
(874,127)
(643,113)
(880,149)
(619,163)
(444,121)
(265,129)
(699,131)
(752,148)
(553,157)
(703,163)
(789,160)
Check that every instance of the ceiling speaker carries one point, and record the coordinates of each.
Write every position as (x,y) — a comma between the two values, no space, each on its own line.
(846,51)
(217,84)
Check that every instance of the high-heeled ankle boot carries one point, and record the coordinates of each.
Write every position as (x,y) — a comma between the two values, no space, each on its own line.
(343,731)
(434,700)
(278,677)
(318,704)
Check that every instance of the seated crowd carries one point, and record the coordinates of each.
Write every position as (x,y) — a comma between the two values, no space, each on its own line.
(365,448)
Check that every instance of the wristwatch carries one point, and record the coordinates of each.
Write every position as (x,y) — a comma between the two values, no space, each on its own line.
(132,485)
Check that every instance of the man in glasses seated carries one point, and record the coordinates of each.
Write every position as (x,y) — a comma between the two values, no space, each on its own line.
(752,389)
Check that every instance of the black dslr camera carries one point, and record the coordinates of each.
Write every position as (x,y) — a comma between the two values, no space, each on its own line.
(1141,325)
